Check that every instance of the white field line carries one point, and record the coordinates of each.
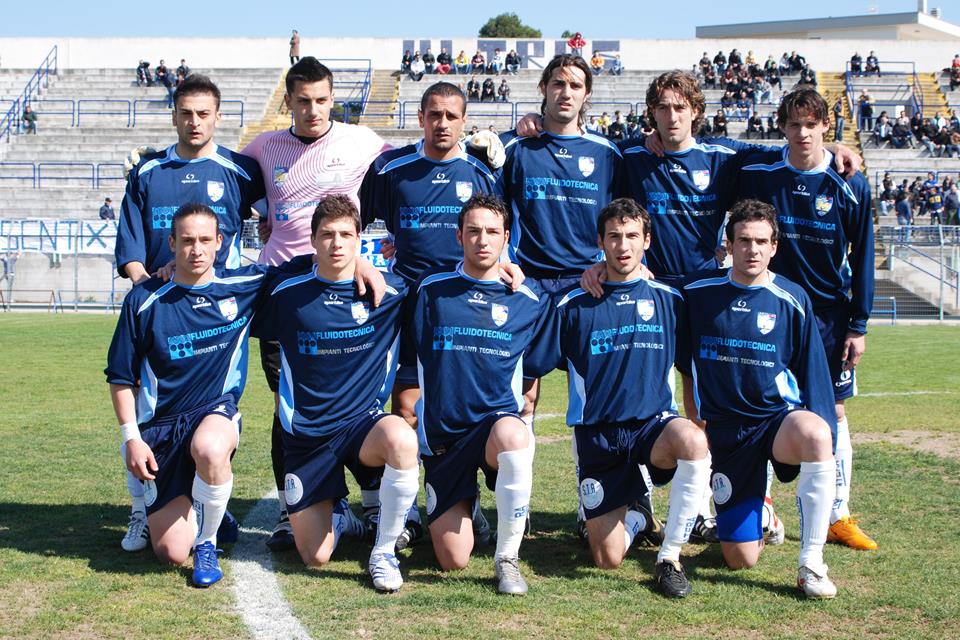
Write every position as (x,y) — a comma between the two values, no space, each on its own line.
(259,599)
(883,394)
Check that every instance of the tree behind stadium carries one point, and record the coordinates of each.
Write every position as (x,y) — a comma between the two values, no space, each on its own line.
(507,25)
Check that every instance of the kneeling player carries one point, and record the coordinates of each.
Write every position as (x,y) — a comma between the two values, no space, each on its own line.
(628,334)
(762,384)
(470,332)
(338,354)
(184,345)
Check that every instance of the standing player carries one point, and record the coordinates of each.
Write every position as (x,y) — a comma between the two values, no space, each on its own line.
(337,355)
(314,158)
(761,383)
(630,333)
(195,169)
(470,332)
(182,345)
(826,248)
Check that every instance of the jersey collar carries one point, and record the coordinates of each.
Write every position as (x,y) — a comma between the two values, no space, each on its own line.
(463,274)
(172,154)
(316,274)
(461,154)
(820,168)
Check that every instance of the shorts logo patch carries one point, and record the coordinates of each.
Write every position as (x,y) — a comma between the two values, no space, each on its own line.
(360,312)
(766,322)
(645,309)
(292,489)
(214,190)
(591,493)
(149,492)
(228,308)
(722,488)
(431,498)
(586,165)
(464,190)
(499,313)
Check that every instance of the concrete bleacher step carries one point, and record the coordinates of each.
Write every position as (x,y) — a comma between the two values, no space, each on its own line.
(909,304)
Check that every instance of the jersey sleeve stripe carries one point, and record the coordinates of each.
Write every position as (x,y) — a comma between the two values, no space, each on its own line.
(156,295)
(292,282)
(570,296)
(785,295)
(438,277)
(229,164)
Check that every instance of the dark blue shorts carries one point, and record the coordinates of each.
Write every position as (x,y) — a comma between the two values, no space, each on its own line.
(169,438)
(314,464)
(739,477)
(610,459)
(832,323)
(407,370)
(451,476)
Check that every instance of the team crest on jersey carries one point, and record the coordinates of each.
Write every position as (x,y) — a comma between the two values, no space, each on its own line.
(280,175)
(228,308)
(586,165)
(360,312)
(499,314)
(464,191)
(823,204)
(766,322)
(214,190)
(701,178)
(645,309)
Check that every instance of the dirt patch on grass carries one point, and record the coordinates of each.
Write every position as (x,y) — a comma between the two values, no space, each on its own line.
(944,444)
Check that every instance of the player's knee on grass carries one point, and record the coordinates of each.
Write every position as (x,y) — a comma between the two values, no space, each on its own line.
(741,555)
(606,536)
(452,536)
(173,531)
(313,533)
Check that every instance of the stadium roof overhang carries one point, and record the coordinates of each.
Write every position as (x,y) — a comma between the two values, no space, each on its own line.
(890,26)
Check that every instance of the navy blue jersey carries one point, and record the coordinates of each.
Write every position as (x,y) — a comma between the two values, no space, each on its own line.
(226,181)
(556,186)
(826,230)
(618,351)
(420,199)
(338,351)
(184,346)
(470,338)
(687,194)
(753,351)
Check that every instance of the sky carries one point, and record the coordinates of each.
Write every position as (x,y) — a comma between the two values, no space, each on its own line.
(632,19)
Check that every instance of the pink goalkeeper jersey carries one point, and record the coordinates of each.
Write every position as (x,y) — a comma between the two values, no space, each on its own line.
(298,175)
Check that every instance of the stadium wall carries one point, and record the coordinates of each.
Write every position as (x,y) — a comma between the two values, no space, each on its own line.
(87,53)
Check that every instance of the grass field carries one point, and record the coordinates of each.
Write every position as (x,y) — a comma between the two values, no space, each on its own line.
(63,510)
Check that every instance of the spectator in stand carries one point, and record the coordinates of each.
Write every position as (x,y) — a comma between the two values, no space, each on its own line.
(405,61)
(954,78)
(730,80)
(865,109)
(808,76)
(953,122)
(294,48)
(498,62)
(503,91)
(106,211)
(473,90)
(462,63)
(141,75)
(928,131)
(797,62)
(873,65)
(576,44)
(618,128)
(182,71)
(633,123)
(720,124)
(916,124)
(882,131)
(596,63)
(956,62)
(444,62)
(513,62)
(953,147)
(751,62)
(478,63)
(735,60)
(429,62)
(616,67)
(773,77)
(604,122)
(592,126)
(856,64)
(166,79)
(710,78)
(765,92)
(938,120)
(744,104)
(838,120)
(28,121)
(728,103)
(705,63)
(943,142)
(773,131)
(755,126)
(887,196)
(904,214)
(784,64)
(900,136)
(951,205)
(417,68)
(473,131)
(720,62)
(934,201)
(488,93)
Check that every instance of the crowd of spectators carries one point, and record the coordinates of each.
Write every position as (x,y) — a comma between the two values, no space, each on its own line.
(619,127)
(938,199)
(417,65)
(746,83)
(954,71)
(162,76)
(939,135)
(858,69)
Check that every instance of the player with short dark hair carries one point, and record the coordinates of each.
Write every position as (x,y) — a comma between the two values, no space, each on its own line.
(761,383)
(338,354)
(470,333)
(827,248)
(630,333)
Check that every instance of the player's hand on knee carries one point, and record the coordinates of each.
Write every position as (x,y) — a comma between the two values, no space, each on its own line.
(654,144)
(593,278)
(530,125)
(140,460)
(387,248)
(489,142)
(512,274)
(368,276)
(133,158)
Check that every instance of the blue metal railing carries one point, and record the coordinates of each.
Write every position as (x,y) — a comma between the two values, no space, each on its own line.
(93,107)
(39,79)
(37,173)
(889,310)
(32,176)
(66,165)
(47,107)
(352,65)
(138,109)
(912,93)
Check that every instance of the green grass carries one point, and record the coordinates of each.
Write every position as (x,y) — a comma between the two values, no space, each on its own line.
(63,509)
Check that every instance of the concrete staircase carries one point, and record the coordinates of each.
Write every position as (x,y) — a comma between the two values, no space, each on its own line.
(831,86)
(276,116)
(934,100)
(382,102)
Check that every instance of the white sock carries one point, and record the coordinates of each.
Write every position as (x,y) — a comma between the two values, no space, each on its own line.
(633,523)
(209,503)
(766,493)
(841,503)
(514,483)
(397,488)
(649,481)
(370,498)
(706,500)
(815,490)
(134,486)
(686,494)
(581,514)
(413,512)
(529,420)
